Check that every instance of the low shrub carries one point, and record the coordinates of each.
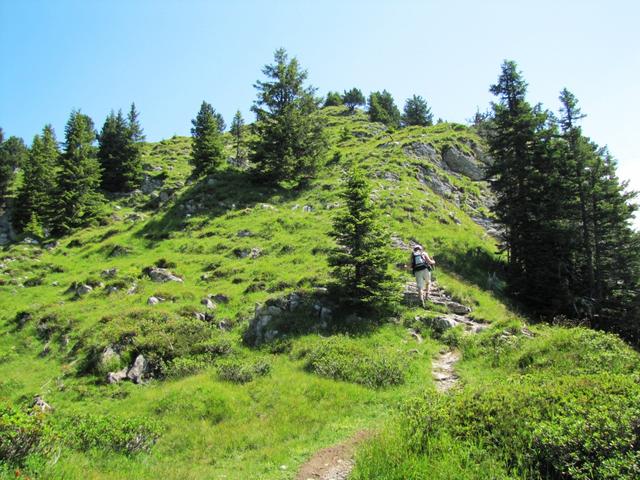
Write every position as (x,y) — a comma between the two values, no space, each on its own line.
(101,432)
(341,358)
(21,434)
(236,371)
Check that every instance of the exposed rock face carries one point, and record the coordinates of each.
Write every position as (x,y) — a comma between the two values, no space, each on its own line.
(115,377)
(423,150)
(108,355)
(163,275)
(463,163)
(150,183)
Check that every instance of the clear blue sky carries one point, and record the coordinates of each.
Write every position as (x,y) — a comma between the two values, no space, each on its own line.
(169,55)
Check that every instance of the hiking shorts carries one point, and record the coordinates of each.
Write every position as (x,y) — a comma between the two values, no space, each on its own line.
(422,277)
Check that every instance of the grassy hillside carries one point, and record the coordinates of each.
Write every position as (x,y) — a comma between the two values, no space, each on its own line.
(216,407)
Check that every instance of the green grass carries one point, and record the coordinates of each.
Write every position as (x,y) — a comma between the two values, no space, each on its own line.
(225,410)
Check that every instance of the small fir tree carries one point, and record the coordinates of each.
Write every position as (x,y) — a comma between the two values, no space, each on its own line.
(334,99)
(208,146)
(417,112)
(289,131)
(361,260)
(382,108)
(353,99)
(132,168)
(113,150)
(237,132)
(35,195)
(77,201)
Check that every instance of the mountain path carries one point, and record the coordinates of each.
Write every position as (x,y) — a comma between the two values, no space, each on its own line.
(336,462)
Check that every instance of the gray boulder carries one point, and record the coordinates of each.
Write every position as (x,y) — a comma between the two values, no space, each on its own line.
(41,405)
(83,290)
(458,308)
(115,377)
(153,301)
(138,369)
(208,303)
(163,275)
(424,151)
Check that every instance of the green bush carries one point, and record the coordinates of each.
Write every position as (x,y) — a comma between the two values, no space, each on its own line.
(236,371)
(21,434)
(127,436)
(582,427)
(341,358)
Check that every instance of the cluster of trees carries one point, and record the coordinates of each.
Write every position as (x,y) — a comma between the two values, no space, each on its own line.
(382,107)
(62,189)
(567,217)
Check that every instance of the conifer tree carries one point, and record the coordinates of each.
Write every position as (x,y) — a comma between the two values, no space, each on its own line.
(333,99)
(417,112)
(382,108)
(34,199)
(113,151)
(289,132)
(132,167)
(13,153)
(361,260)
(208,147)
(77,201)
(237,132)
(353,99)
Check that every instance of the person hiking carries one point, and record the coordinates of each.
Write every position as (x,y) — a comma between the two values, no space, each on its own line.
(421,265)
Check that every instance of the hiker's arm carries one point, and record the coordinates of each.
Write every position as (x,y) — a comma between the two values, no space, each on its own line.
(429,259)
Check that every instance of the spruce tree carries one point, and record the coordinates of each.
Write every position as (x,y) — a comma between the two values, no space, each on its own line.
(382,108)
(289,131)
(13,154)
(353,99)
(361,259)
(132,167)
(34,199)
(208,147)
(417,112)
(333,99)
(113,151)
(237,132)
(77,201)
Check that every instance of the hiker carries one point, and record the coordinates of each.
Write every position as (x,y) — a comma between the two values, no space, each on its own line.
(421,265)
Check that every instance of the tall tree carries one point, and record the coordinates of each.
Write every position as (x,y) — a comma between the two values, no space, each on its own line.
(361,259)
(113,150)
(417,112)
(34,199)
(382,108)
(77,201)
(289,131)
(208,146)
(353,99)
(13,153)
(237,132)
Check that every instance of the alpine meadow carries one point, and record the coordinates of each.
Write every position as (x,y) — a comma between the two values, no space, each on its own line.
(239,303)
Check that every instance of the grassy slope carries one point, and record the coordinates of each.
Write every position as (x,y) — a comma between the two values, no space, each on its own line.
(211,428)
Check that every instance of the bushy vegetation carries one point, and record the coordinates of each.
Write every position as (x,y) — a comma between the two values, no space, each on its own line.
(342,358)
(563,404)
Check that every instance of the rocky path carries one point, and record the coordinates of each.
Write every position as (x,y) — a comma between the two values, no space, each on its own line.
(333,463)
(336,462)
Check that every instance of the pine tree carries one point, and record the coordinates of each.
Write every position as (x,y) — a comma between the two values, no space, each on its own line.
(417,112)
(77,201)
(13,154)
(290,136)
(132,166)
(34,199)
(113,151)
(333,99)
(353,98)
(237,132)
(361,260)
(382,108)
(208,147)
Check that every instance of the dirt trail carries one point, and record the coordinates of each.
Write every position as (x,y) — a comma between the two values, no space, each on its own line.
(336,462)
(333,463)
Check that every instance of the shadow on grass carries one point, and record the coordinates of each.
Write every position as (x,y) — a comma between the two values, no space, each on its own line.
(213,196)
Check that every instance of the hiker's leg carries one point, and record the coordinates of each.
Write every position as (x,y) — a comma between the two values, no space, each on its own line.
(428,282)
(420,285)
